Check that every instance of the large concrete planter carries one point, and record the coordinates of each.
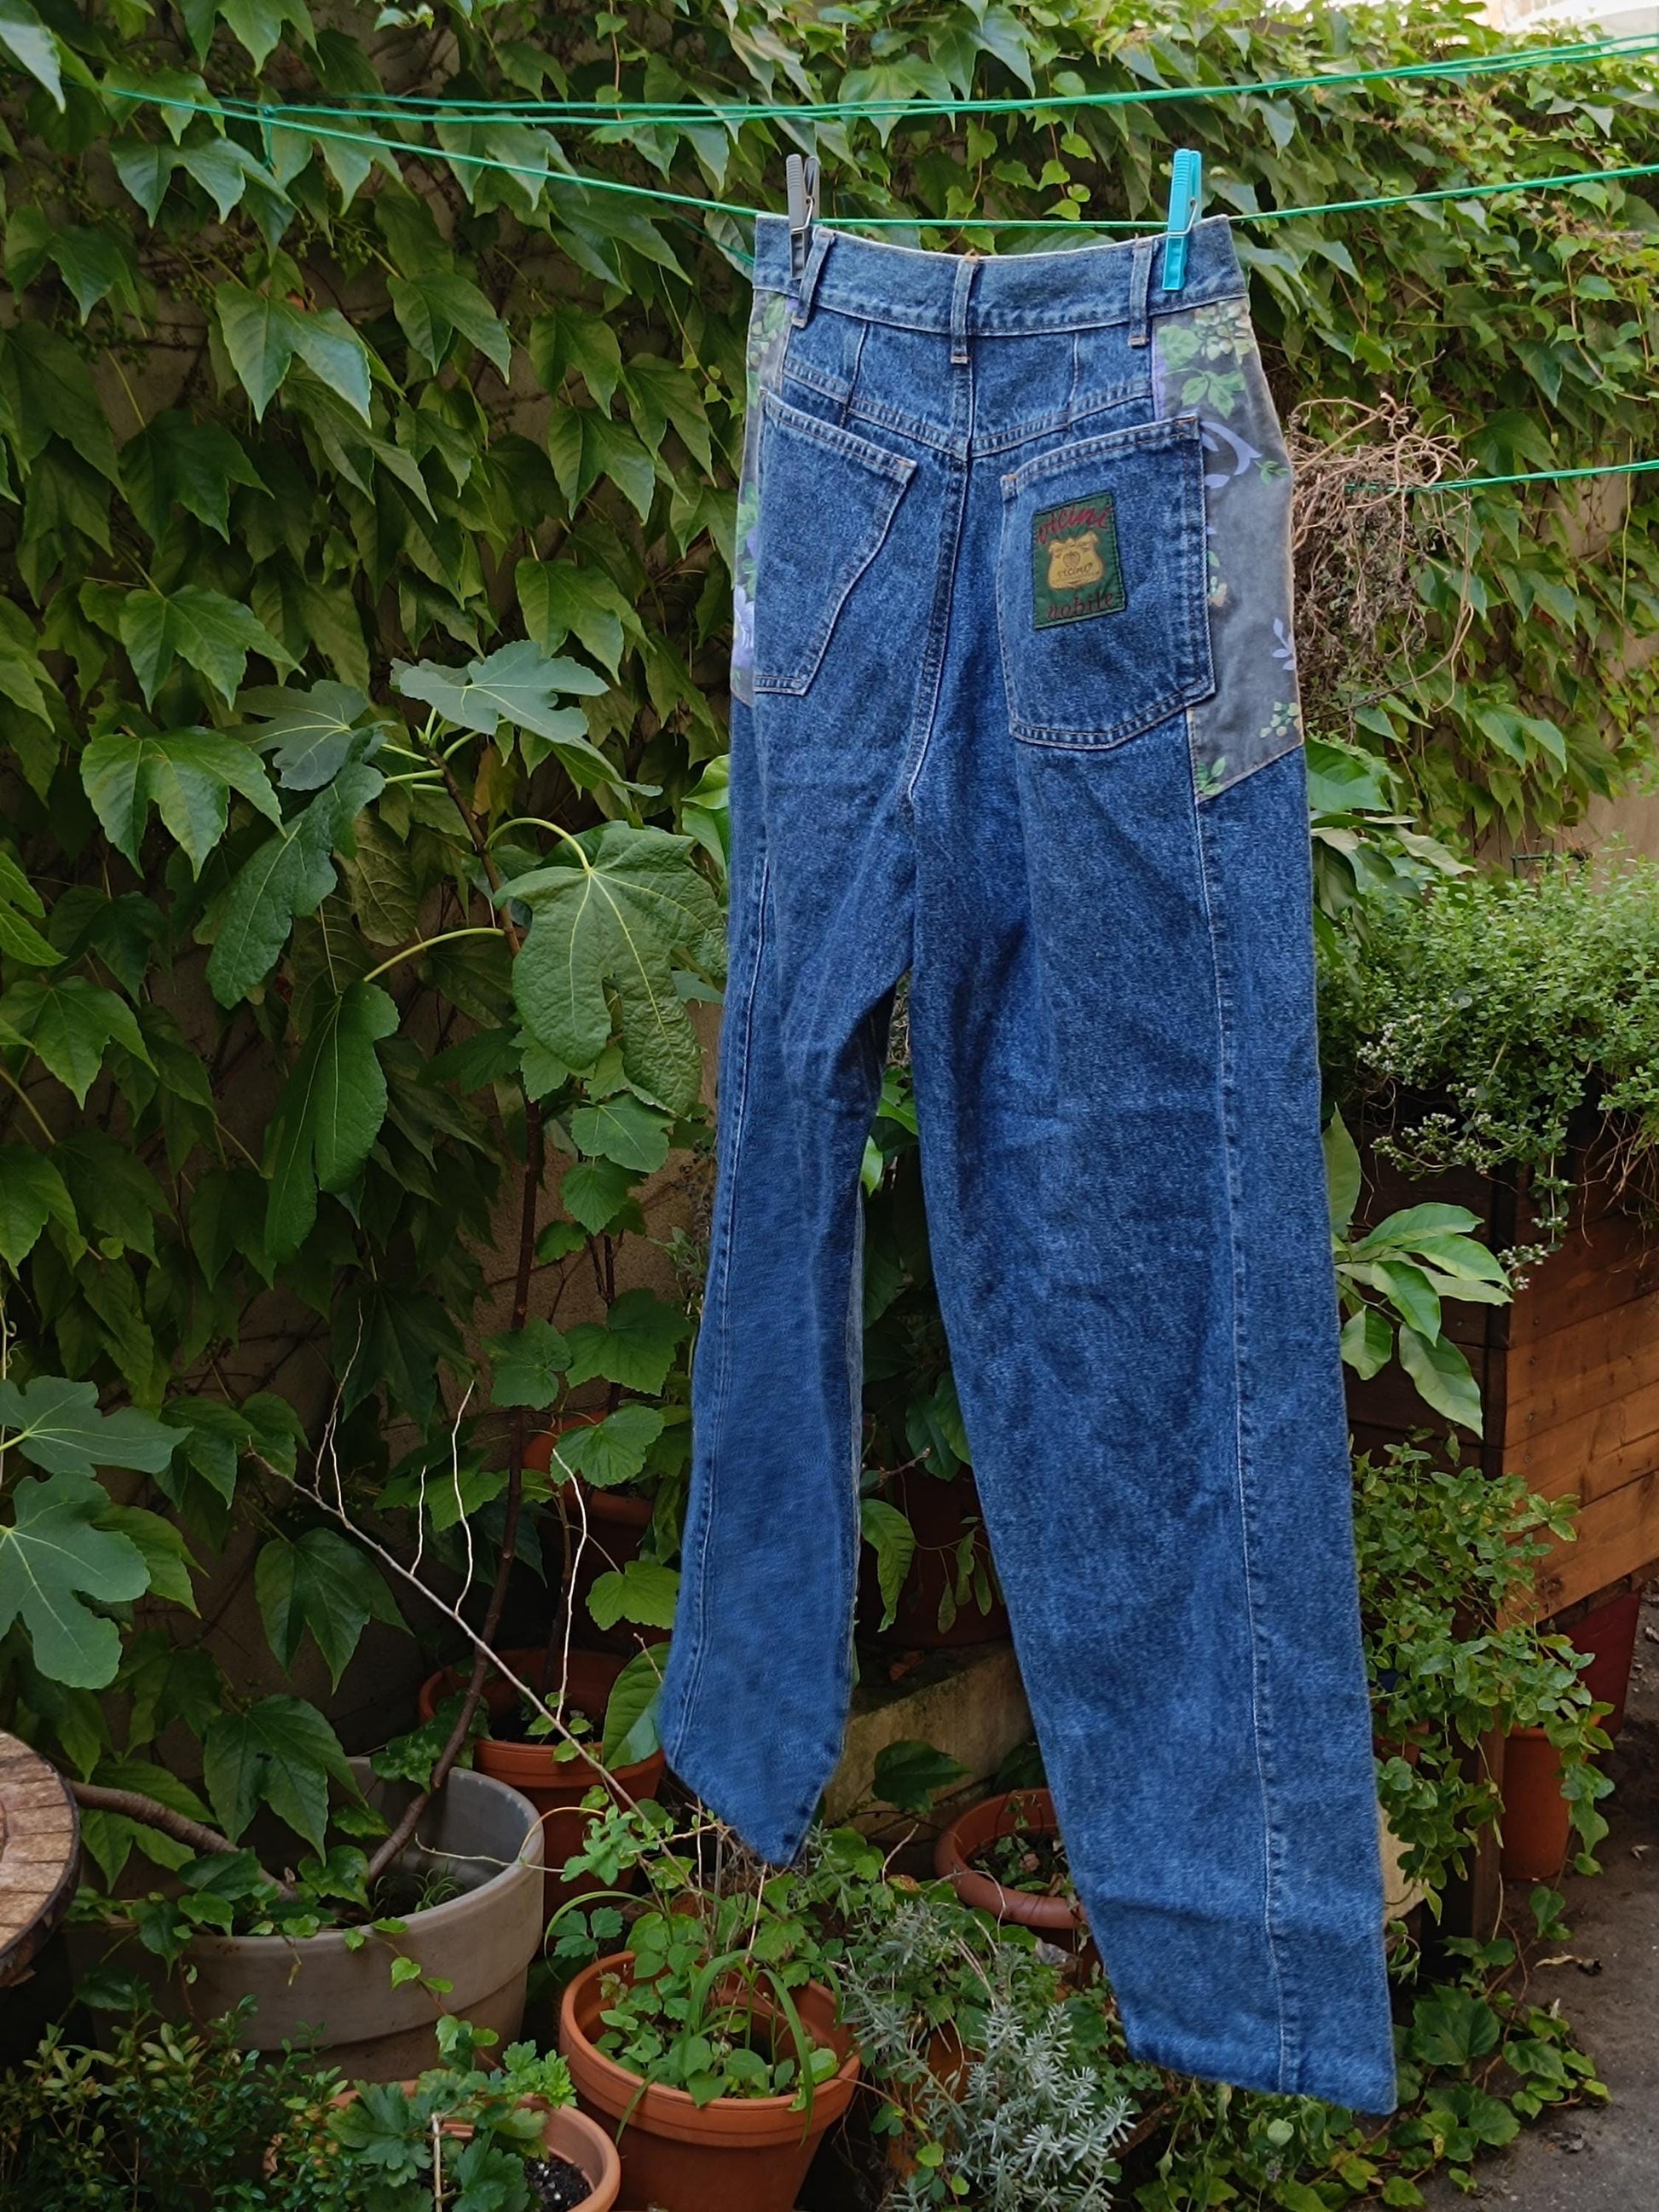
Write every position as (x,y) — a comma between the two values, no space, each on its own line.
(487,1838)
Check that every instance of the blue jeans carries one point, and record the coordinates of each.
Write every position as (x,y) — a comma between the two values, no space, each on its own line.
(1017,717)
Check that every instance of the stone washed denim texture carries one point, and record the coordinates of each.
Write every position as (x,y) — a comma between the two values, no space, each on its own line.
(1017,716)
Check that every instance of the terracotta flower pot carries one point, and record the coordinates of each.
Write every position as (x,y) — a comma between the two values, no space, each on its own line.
(940,1513)
(1537,1822)
(1607,1634)
(565,2134)
(555,1787)
(1060,1919)
(736,2154)
(614,1525)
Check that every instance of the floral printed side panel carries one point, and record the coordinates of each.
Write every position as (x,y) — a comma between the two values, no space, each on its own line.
(1205,362)
(768,333)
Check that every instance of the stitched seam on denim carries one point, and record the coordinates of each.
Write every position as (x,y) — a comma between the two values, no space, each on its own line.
(993,322)
(1109,735)
(1170,432)
(895,470)
(939,631)
(1225,783)
(727,1212)
(877,459)
(1102,401)
(1260,1717)
(818,379)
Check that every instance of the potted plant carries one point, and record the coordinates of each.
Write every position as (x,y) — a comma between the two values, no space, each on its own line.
(360,1970)
(1494,1045)
(1005,1857)
(604,1704)
(1447,1554)
(505,2137)
(709,2044)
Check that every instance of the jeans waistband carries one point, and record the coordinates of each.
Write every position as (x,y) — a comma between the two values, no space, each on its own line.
(1078,288)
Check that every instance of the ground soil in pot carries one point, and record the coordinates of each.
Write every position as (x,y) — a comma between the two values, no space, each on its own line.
(982,1855)
(554,1787)
(736,2155)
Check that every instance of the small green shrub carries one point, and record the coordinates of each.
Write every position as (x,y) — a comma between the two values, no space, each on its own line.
(1484,1018)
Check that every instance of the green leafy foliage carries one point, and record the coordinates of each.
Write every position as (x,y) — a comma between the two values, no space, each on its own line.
(1392,1278)
(1482,1023)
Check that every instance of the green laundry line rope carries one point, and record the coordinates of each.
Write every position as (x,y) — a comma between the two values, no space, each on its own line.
(599,112)
(573,179)
(1531,476)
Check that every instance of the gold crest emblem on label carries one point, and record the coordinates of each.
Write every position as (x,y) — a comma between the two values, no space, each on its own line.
(1075,562)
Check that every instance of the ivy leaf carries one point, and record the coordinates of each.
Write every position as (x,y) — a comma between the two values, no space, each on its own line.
(613,1450)
(162,1548)
(642,1592)
(53,1558)
(174,461)
(264,336)
(562,598)
(323,1582)
(57,1424)
(280,1752)
(432,309)
(890,1537)
(1441,1376)
(634,1346)
(288,877)
(599,1195)
(313,733)
(187,775)
(192,624)
(518,686)
(630,1711)
(69,1024)
(32,46)
(623,1129)
(611,918)
(31,1193)
(329,1113)
(526,1364)
(19,937)
(910,1774)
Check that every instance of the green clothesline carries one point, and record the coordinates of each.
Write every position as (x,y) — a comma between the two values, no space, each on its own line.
(282,117)
(600,112)
(1531,476)
(543,174)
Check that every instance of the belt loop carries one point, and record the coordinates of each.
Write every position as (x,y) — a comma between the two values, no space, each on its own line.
(967,269)
(1140,285)
(800,298)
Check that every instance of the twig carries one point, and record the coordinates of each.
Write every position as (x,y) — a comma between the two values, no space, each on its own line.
(403,1829)
(134,1805)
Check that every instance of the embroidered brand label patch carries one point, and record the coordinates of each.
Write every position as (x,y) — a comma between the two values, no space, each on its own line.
(1075,569)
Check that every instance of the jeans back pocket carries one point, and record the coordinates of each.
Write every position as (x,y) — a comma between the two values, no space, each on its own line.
(827,499)
(1102,601)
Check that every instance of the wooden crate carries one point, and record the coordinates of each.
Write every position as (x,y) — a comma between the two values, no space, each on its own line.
(1569,1373)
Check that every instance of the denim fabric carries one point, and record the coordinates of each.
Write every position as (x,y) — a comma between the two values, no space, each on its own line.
(1017,717)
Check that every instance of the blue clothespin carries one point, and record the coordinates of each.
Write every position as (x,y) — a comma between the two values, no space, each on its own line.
(1186,197)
